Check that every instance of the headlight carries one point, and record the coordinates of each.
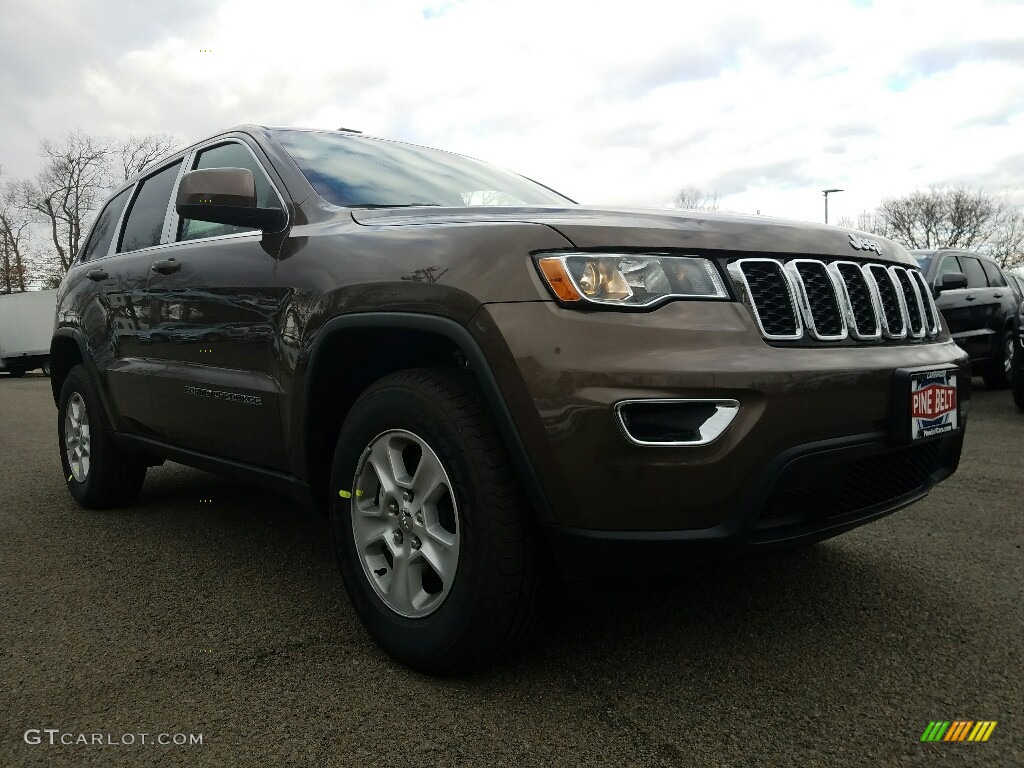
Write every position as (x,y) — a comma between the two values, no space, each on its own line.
(629,280)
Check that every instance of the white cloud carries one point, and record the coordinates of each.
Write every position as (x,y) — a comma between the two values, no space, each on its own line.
(623,103)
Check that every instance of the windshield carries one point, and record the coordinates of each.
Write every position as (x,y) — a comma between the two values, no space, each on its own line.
(354,171)
(923,262)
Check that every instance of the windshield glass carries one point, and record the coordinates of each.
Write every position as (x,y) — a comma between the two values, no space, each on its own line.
(923,262)
(354,171)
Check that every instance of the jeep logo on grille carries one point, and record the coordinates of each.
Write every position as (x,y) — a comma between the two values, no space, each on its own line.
(862,244)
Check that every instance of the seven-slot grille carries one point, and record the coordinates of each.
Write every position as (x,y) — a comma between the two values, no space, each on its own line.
(837,300)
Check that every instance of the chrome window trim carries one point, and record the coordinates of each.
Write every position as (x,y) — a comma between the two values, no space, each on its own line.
(726,411)
(793,268)
(736,271)
(847,302)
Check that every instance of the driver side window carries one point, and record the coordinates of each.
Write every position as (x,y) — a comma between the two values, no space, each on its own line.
(232,155)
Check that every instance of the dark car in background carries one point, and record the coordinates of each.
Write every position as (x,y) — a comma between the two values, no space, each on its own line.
(477,379)
(979,303)
(1017,349)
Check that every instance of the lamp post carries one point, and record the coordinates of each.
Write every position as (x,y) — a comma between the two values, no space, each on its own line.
(826,193)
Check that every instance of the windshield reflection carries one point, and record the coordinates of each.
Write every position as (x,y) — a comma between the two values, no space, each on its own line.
(354,171)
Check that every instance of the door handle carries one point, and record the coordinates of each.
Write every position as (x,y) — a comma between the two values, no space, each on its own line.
(96,275)
(970,298)
(998,294)
(166,267)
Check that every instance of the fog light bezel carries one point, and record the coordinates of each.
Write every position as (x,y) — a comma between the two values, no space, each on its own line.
(726,411)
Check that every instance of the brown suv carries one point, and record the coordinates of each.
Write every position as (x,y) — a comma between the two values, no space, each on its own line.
(477,378)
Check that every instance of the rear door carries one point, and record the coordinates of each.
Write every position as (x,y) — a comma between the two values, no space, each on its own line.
(111,303)
(213,312)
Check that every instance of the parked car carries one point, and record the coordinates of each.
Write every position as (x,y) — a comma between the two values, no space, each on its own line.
(1017,349)
(476,395)
(979,304)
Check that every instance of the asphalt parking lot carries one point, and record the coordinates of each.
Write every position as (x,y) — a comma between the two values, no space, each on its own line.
(215,608)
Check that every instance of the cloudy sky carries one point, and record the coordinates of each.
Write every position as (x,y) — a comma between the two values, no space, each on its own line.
(618,103)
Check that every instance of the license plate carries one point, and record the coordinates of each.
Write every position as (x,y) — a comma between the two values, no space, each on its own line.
(934,409)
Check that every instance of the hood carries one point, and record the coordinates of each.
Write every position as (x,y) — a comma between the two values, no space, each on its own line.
(599,227)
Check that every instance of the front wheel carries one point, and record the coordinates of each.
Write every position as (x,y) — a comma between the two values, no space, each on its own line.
(439,554)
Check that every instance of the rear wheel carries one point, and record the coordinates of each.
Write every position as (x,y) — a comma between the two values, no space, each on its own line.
(46,367)
(997,372)
(16,373)
(440,556)
(98,473)
(1018,384)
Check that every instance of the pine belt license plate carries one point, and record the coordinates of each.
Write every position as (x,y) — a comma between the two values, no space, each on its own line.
(934,409)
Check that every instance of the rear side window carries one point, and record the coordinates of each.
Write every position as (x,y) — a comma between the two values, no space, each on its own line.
(975,274)
(995,277)
(145,225)
(232,155)
(106,226)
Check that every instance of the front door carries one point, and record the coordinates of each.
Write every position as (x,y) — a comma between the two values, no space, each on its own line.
(213,308)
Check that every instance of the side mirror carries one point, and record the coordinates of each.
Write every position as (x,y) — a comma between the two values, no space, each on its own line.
(951,281)
(225,196)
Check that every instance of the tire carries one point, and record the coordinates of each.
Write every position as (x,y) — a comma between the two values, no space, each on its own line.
(103,475)
(46,367)
(1018,385)
(16,373)
(997,372)
(485,596)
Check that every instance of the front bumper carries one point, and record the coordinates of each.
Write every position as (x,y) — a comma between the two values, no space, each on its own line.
(562,372)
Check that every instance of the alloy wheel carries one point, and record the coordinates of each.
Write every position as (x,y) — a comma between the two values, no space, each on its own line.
(405,523)
(78,443)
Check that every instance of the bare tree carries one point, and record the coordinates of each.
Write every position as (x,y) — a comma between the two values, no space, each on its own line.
(68,189)
(136,153)
(15,224)
(694,199)
(953,217)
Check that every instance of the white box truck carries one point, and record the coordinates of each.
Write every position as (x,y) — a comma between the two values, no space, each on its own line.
(26,327)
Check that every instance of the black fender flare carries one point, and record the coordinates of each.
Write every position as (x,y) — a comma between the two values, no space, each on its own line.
(477,364)
(90,367)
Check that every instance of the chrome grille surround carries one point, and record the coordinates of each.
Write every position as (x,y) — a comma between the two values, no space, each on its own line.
(859,302)
(890,300)
(818,299)
(745,271)
(835,300)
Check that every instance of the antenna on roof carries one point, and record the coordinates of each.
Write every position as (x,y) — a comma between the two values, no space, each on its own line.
(349,130)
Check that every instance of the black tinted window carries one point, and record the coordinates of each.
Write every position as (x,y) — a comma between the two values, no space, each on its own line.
(229,156)
(995,277)
(145,223)
(353,171)
(975,274)
(106,226)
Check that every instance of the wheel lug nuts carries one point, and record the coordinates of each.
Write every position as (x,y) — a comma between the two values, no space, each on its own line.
(398,537)
(419,518)
(407,495)
(393,507)
(416,543)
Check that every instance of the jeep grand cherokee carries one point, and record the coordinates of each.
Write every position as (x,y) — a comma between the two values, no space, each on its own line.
(475,377)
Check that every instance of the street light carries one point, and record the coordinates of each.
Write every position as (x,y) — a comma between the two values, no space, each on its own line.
(827,192)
